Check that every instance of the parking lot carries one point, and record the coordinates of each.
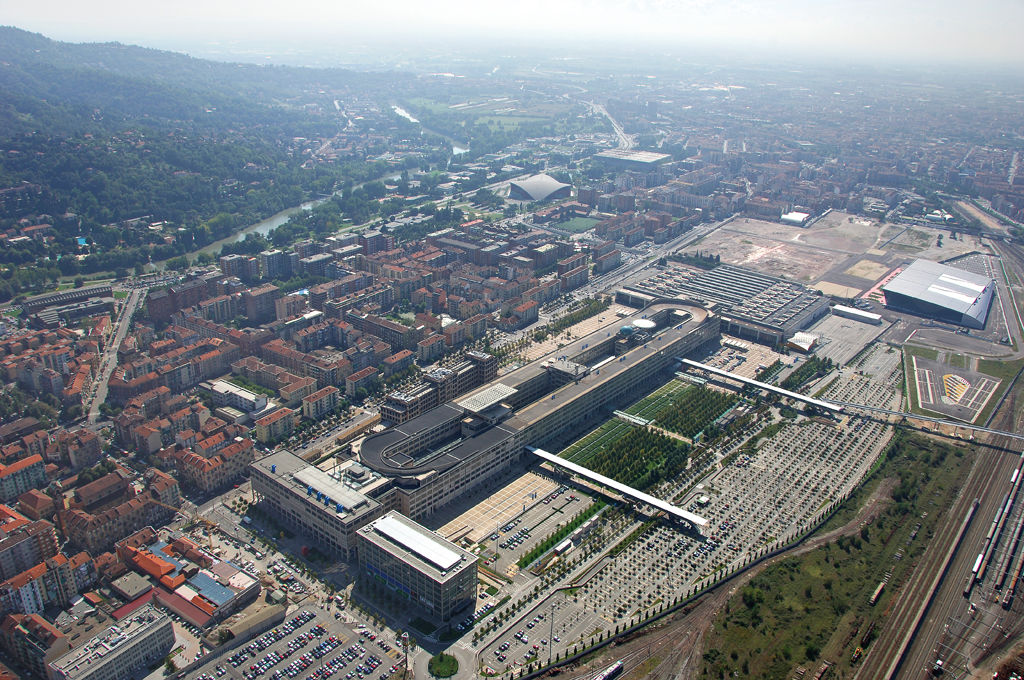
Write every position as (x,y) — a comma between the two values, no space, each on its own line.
(523,533)
(763,496)
(840,339)
(497,508)
(950,391)
(311,646)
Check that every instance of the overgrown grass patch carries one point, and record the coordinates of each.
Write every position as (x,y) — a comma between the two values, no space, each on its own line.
(798,608)
(923,352)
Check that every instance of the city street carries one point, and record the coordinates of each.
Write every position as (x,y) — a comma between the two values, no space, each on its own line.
(109,361)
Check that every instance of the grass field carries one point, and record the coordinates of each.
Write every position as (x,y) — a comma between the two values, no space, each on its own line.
(577,224)
(816,606)
(443,665)
(923,352)
(1005,371)
(956,360)
(652,404)
(584,449)
(120,294)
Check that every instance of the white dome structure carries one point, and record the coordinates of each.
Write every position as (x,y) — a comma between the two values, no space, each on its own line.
(539,188)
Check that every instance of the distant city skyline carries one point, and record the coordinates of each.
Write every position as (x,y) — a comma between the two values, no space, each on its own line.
(912,31)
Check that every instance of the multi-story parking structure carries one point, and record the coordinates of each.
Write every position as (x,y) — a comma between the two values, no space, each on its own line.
(419,564)
(752,305)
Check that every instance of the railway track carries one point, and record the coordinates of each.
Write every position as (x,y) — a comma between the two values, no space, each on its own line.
(907,644)
(883,657)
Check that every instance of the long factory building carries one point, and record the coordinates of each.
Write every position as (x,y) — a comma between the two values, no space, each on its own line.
(419,466)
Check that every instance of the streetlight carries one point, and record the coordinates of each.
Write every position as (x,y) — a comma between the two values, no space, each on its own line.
(405,648)
(551,631)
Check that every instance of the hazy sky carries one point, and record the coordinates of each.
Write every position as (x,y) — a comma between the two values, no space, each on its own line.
(918,30)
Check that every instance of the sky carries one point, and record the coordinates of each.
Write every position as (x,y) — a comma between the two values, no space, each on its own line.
(919,31)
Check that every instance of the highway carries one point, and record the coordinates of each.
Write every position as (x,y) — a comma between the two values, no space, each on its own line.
(109,359)
(625,141)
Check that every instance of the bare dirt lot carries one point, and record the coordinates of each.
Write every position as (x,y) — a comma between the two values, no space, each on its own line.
(922,242)
(793,252)
(831,246)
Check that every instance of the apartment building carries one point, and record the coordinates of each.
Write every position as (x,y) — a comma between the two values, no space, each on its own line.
(223,468)
(51,583)
(117,652)
(21,476)
(259,302)
(33,641)
(276,426)
(26,547)
(321,403)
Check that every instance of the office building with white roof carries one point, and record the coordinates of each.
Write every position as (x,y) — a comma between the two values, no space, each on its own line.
(418,564)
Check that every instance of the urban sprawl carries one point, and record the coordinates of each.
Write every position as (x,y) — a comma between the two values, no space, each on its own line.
(565,387)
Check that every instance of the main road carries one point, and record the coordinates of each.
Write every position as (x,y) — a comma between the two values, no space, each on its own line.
(109,360)
(625,141)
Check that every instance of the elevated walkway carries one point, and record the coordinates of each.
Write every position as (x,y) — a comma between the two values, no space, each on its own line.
(841,406)
(696,521)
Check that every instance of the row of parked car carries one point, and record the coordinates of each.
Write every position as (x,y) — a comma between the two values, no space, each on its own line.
(269,638)
(273,658)
(516,539)
(557,493)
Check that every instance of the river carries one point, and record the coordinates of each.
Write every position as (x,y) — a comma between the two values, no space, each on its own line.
(404,114)
(456,150)
(264,226)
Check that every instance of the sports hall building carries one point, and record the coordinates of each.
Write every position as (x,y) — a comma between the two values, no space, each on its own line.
(938,291)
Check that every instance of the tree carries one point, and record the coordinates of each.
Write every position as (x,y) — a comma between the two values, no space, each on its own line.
(204,258)
(71,413)
(177,263)
(121,273)
(79,282)
(140,269)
